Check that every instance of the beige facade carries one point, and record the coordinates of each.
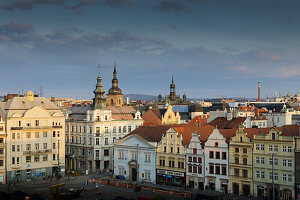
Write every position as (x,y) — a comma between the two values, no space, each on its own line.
(170,163)
(282,148)
(240,163)
(35,138)
(170,117)
(2,151)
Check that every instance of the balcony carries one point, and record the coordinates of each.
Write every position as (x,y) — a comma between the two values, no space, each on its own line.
(37,152)
(56,126)
(16,166)
(34,127)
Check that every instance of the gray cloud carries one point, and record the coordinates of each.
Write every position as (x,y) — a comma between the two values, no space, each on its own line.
(171,6)
(30,4)
(13,28)
(118,3)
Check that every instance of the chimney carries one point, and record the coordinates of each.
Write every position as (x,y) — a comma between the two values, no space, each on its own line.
(259,98)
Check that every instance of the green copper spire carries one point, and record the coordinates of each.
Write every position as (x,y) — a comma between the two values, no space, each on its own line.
(99,99)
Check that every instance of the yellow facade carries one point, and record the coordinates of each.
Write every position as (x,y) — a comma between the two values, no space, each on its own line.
(282,148)
(170,164)
(240,163)
(170,117)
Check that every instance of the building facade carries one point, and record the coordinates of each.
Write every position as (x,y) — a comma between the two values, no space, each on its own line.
(170,160)
(240,163)
(195,163)
(216,162)
(274,149)
(35,142)
(2,150)
(135,159)
(170,117)
(297,167)
(91,131)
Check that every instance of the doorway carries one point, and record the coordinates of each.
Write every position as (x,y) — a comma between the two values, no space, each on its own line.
(236,189)
(246,190)
(134,174)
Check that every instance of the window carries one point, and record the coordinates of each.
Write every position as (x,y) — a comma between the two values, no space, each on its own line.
(106,141)
(165,149)
(223,155)
(284,162)
(97,141)
(224,171)
(257,174)
(257,146)
(217,155)
(216,144)
(262,160)
(290,163)
(275,147)
(270,175)
(190,158)
(245,173)
(194,151)
(199,169)
(236,160)
(195,169)
(236,150)
(275,161)
(129,128)
(236,172)
(106,129)
(284,148)
(190,168)
(178,150)
(53,133)
(36,122)
(270,147)
(1,141)
(262,174)
(18,148)
(1,151)
(199,160)
(13,160)
(45,157)
(18,136)
(276,176)
(28,135)
(106,152)
(45,134)
(244,150)
(13,136)
(211,154)
(194,159)
(36,158)
(273,136)
(171,150)
(28,159)
(245,161)
(217,169)
(147,175)
(211,169)
(147,157)
(36,134)
(262,147)
(289,148)
(270,161)
(13,148)
(284,177)
(53,157)
(53,145)
(124,129)
(290,178)
(114,129)
(133,156)
(28,147)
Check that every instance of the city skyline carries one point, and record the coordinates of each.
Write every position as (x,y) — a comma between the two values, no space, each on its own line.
(214,48)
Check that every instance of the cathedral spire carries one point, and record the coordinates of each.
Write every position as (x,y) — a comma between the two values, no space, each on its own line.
(99,99)
(172,78)
(115,70)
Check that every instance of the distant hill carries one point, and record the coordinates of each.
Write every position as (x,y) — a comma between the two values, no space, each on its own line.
(140,97)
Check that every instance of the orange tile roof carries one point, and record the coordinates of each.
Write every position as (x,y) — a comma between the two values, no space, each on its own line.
(151,118)
(223,123)
(198,120)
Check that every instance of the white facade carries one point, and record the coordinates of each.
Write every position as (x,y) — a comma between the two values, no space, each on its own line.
(35,142)
(135,159)
(216,162)
(89,139)
(287,117)
(259,122)
(195,163)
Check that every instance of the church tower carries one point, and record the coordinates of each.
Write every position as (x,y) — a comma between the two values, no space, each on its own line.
(172,90)
(99,99)
(115,96)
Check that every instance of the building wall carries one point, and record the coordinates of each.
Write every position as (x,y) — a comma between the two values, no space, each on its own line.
(114,100)
(216,143)
(264,146)
(170,117)
(2,152)
(41,131)
(240,164)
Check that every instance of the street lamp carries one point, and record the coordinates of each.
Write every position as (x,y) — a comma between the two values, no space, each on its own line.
(273,188)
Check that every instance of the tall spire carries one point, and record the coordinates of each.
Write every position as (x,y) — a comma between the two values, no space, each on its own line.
(172,78)
(99,99)
(172,90)
(115,83)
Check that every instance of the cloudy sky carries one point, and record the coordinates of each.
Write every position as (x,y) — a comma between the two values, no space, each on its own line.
(213,47)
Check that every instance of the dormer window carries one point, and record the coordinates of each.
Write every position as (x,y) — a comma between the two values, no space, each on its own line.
(98,118)
(216,144)
(273,136)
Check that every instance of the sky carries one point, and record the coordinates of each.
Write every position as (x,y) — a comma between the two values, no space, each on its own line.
(213,47)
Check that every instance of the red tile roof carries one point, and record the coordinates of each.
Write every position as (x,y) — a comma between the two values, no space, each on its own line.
(150,118)
(223,123)
(198,120)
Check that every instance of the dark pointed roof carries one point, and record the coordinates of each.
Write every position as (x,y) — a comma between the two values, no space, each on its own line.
(99,99)
(115,83)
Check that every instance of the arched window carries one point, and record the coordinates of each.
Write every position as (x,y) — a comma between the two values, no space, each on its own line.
(216,144)
(112,102)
